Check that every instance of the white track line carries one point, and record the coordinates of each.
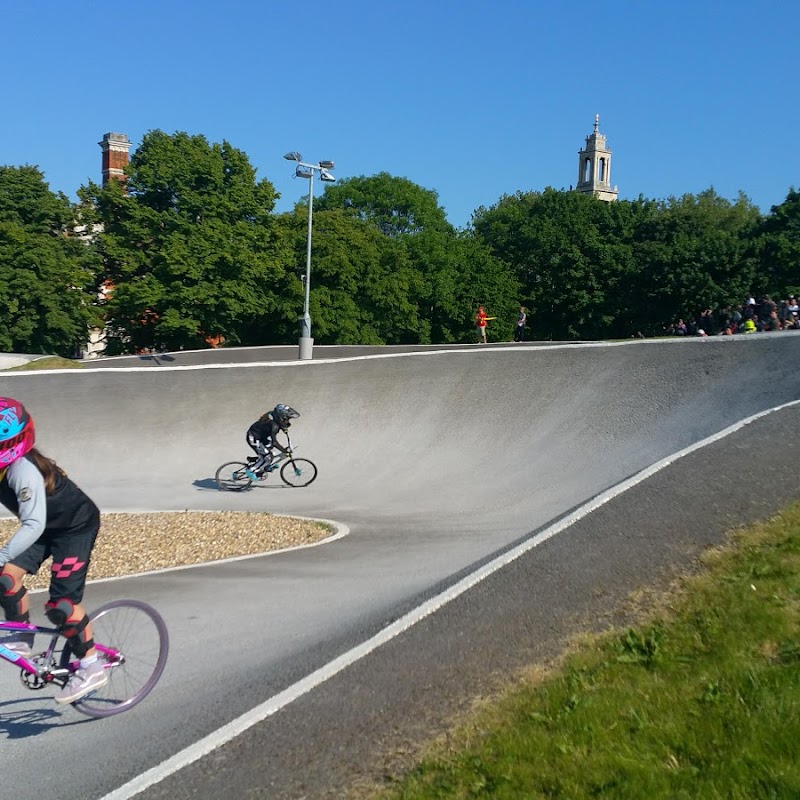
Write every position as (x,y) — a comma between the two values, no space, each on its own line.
(279,701)
(729,341)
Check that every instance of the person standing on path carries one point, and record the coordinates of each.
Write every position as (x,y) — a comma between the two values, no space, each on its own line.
(519,328)
(480,322)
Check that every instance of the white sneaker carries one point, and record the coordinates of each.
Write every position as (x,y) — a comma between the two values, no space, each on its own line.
(83,682)
(21,644)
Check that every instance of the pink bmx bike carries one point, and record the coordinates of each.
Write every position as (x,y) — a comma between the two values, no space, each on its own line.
(131,641)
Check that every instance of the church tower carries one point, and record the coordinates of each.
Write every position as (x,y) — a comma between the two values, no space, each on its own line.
(594,166)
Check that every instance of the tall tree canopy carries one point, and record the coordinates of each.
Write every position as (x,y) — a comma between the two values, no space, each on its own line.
(780,247)
(394,205)
(427,277)
(569,253)
(47,271)
(695,252)
(190,247)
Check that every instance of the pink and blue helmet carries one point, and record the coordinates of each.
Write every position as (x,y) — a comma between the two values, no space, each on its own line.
(17,433)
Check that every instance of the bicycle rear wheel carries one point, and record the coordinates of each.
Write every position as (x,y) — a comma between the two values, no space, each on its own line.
(132,641)
(233,477)
(298,472)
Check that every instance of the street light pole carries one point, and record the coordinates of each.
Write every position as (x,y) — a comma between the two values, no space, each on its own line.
(305,322)
(304,170)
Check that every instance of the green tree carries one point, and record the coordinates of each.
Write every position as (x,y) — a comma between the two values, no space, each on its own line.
(428,277)
(695,252)
(459,273)
(779,240)
(396,206)
(190,247)
(363,285)
(570,254)
(47,270)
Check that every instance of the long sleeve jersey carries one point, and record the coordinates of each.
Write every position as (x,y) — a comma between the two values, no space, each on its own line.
(266,431)
(22,492)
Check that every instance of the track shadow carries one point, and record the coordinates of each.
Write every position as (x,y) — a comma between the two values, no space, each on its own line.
(21,719)
(157,358)
(205,483)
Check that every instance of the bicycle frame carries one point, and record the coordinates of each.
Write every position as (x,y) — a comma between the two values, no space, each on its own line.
(45,670)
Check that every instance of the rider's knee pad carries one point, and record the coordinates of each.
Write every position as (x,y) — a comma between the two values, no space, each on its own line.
(10,601)
(58,611)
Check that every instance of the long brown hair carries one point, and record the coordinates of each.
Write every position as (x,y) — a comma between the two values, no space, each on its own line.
(49,469)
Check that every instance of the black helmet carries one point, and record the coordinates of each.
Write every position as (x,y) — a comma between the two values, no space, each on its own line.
(282,414)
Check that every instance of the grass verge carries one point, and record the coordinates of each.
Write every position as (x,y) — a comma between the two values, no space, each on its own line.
(700,700)
(47,362)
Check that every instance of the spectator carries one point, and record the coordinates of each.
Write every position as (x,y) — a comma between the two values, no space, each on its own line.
(706,321)
(519,328)
(480,323)
(766,308)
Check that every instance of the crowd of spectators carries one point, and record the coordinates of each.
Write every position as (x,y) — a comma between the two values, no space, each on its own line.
(752,316)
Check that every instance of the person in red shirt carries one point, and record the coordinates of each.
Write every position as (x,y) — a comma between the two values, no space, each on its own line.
(480,321)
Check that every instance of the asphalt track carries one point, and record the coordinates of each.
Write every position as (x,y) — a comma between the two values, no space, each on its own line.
(496,498)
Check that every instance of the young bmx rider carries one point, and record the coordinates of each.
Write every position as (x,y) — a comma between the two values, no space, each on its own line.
(55,519)
(262,435)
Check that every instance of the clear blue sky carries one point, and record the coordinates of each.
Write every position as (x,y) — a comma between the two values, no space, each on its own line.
(471,99)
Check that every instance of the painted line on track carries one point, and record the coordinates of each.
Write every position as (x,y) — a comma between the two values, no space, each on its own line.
(460,351)
(302,687)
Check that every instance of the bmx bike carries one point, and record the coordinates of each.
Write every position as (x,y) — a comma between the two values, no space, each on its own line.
(132,644)
(236,476)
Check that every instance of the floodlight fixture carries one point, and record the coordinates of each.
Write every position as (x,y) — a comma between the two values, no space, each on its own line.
(326,164)
(293,156)
(303,173)
(324,175)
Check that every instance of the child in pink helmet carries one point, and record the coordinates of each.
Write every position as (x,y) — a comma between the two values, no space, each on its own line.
(55,519)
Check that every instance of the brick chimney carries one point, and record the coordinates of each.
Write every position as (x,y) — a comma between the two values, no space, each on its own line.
(115,148)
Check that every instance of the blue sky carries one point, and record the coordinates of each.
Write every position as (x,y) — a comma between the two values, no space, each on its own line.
(471,99)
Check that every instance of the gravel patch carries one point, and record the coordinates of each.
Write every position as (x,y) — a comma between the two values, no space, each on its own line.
(133,543)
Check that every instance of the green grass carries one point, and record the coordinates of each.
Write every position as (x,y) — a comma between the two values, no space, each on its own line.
(700,700)
(47,362)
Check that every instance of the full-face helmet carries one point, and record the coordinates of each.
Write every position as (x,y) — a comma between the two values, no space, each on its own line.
(282,414)
(17,433)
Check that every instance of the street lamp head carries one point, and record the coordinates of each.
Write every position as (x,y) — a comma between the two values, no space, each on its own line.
(326,164)
(324,175)
(293,156)
(303,173)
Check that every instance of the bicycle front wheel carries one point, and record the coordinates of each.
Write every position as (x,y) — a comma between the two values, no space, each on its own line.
(132,643)
(298,472)
(233,477)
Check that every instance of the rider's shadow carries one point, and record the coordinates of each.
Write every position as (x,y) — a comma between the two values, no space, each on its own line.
(211,483)
(22,723)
